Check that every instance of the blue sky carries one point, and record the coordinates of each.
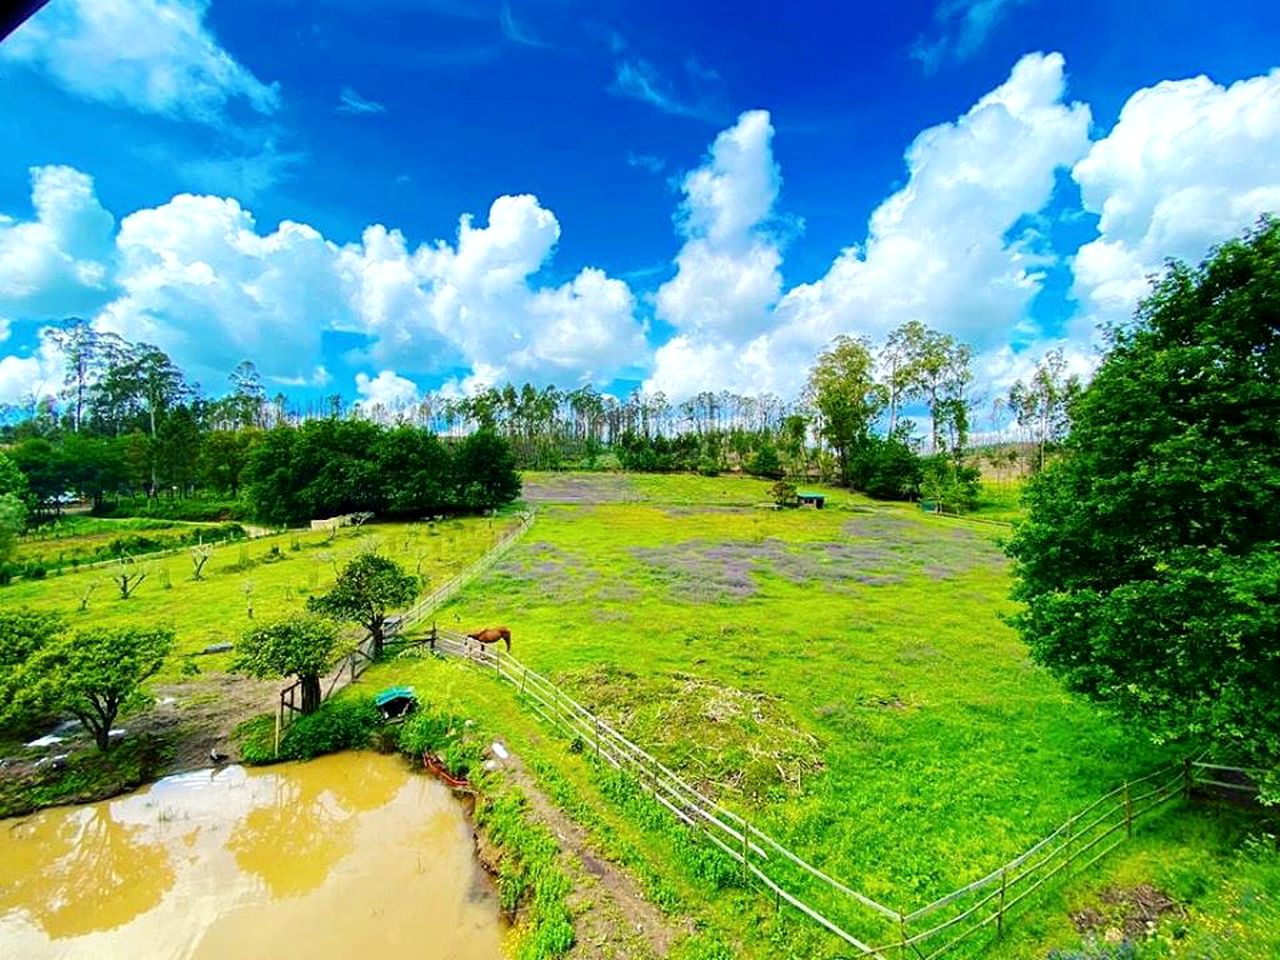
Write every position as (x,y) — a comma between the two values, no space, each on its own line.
(669,194)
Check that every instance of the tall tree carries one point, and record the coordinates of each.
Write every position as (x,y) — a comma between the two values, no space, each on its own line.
(1149,564)
(80,346)
(1041,405)
(843,391)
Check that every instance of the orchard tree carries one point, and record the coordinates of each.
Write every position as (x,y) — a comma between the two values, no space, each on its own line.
(1149,564)
(302,645)
(92,674)
(367,590)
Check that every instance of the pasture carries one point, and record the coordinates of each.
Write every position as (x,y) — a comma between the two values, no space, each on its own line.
(245,579)
(842,678)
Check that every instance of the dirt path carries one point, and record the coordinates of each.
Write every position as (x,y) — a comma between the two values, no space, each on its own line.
(612,918)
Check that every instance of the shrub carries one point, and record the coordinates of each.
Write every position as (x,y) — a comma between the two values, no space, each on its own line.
(341,724)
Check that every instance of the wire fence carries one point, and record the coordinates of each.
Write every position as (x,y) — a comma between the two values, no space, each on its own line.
(871,928)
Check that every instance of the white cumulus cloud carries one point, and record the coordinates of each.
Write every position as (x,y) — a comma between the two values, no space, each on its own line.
(199,278)
(156,56)
(388,390)
(59,262)
(938,250)
(1188,164)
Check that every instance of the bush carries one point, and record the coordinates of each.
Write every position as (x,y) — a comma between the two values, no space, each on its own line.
(342,724)
(765,463)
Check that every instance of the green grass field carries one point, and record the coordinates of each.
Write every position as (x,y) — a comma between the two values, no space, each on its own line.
(72,540)
(841,677)
(272,574)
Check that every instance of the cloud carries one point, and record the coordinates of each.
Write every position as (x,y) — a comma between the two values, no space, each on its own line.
(60,262)
(514,31)
(242,175)
(695,96)
(202,283)
(961,28)
(646,161)
(727,277)
(197,277)
(938,250)
(351,102)
(387,390)
(155,56)
(23,379)
(1188,164)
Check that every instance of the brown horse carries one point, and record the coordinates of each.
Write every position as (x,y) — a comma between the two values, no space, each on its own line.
(492,635)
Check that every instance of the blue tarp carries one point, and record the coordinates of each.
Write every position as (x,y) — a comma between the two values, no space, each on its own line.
(393,693)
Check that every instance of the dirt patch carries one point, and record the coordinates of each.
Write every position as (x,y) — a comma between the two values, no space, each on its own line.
(593,488)
(721,738)
(612,918)
(1131,914)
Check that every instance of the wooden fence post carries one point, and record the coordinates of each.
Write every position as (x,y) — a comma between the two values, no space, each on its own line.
(433,636)
(746,852)
(1004,883)
(596,717)
(1128,811)
(1187,781)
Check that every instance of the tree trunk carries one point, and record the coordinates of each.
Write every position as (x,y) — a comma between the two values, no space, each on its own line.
(376,637)
(310,693)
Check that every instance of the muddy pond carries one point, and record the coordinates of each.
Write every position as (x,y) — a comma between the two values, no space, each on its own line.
(349,855)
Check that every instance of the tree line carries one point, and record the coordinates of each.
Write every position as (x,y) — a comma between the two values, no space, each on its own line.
(126,424)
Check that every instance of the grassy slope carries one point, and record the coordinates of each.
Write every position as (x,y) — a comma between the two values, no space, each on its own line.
(876,629)
(214,610)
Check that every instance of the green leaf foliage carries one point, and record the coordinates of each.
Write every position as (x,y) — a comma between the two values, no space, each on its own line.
(1149,564)
(369,588)
(299,645)
(92,674)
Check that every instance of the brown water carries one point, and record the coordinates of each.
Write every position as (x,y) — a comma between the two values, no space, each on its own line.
(346,856)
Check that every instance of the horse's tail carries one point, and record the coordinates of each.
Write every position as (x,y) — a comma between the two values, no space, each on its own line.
(506,636)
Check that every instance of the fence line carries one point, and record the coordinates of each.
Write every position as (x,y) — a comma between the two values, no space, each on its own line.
(361,658)
(1091,833)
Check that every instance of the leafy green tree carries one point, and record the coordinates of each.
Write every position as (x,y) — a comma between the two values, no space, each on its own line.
(784,494)
(13,521)
(224,454)
(48,473)
(765,463)
(12,480)
(1149,564)
(92,674)
(303,645)
(369,588)
(485,472)
(23,632)
(416,472)
(848,400)
(96,466)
